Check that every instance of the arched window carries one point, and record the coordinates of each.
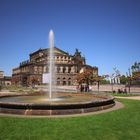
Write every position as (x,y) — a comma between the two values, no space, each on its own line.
(58,69)
(64,69)
(58,81)
(69,69)
(69,81)
(64,81)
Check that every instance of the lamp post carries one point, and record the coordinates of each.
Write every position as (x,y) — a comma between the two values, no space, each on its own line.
(129,76)
(112,76)
(0,84)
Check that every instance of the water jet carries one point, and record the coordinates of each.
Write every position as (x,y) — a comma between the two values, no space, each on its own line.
(60,104)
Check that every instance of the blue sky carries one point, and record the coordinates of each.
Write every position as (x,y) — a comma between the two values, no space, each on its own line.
(107,32)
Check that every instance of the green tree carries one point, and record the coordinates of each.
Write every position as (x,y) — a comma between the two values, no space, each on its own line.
(123,79)
(135,67)
(104,81)
(85,77)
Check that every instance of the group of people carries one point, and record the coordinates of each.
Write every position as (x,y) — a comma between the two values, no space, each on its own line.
(83,88)
(120,91)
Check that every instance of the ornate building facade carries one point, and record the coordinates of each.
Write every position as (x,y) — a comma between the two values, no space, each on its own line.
(66,66)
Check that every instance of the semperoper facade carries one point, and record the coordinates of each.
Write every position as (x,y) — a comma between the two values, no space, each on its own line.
(66,66)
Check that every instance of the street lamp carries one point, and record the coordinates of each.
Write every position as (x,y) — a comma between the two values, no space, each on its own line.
(129,76)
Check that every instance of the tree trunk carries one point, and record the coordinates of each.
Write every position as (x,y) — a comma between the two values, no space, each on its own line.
(98,86)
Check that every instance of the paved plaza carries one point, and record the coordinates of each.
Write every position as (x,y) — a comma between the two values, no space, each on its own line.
(104,88)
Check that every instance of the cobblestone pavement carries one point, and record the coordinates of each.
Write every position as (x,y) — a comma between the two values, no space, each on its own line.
(107,88)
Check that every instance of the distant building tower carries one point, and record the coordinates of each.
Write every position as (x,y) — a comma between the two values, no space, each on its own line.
(1,74)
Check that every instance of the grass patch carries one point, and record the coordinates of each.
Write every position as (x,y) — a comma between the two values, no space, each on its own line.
(12,87)
(117,125)
(125,95)
(19,89)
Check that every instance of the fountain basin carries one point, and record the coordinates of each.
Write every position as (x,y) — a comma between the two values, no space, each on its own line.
(65,105)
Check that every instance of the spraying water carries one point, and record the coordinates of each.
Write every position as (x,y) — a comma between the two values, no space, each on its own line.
(51,64)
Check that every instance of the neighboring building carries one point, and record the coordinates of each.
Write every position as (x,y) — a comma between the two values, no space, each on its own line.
(115,80)
(1,74)
(4,80)
(66,66)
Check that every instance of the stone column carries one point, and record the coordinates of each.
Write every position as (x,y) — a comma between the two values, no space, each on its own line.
(72,69)
(118,80)
(61,69)
(67,69)
(115,80)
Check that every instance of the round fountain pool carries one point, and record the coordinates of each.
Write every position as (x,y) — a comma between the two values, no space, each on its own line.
(62,104)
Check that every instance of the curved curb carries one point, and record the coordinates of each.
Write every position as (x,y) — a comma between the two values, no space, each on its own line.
(118,105)
(55,109)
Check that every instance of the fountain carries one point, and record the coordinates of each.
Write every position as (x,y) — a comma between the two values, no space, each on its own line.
(61,104)
(52,73)
(51,65)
